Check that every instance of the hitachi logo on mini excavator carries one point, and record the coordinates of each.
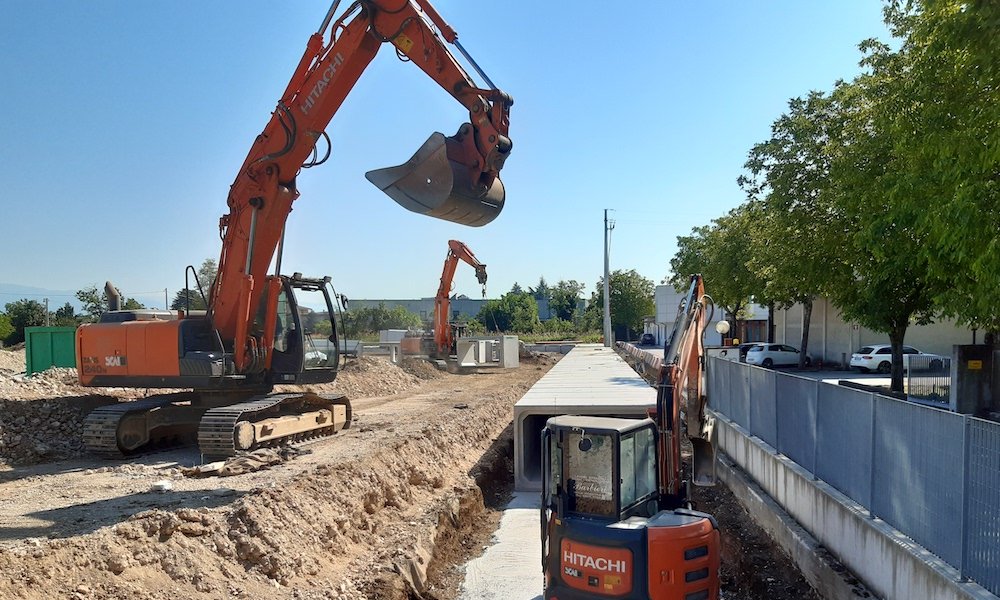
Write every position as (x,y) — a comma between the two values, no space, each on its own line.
(589,562)
(317,90)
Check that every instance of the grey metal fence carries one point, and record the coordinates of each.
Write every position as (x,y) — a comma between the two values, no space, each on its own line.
(928,379)
(932,474)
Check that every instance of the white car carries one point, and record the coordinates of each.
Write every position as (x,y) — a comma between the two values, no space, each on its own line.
(878,357)
(773,355)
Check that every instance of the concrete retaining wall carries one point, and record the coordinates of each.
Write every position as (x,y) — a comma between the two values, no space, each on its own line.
(889,563)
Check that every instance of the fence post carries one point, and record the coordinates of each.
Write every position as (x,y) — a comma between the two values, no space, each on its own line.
(966,451)
(871,467)
(774,403)
(816,420)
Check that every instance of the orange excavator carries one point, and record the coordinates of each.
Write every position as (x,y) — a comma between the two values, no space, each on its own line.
(616,519)
(444,331)
(261,328)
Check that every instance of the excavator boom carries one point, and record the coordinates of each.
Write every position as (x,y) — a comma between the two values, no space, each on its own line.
(444,337)
(264,329)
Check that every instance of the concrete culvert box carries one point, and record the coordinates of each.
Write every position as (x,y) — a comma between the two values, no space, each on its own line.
(590,380)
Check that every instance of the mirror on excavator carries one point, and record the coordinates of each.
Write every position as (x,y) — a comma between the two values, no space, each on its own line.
(437,182)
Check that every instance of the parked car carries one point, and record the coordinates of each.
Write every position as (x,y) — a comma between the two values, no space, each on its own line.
(878,357)
(744,348)
(647,339)
(773,355)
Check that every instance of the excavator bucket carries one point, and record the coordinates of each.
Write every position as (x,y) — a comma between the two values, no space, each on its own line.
(436,182)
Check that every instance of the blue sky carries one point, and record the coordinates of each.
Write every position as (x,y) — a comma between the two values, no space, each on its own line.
(124,123)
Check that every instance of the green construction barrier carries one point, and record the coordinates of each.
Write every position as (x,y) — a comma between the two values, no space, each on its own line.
(46,347)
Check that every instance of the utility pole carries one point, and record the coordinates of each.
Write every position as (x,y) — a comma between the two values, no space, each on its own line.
(608,226)
(46,312)
(166,303)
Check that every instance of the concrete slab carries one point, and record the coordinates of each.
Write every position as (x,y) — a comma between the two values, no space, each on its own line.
(511,567)
(590,380)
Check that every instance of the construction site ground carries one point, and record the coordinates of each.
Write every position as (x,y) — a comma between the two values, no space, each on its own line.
(391,508)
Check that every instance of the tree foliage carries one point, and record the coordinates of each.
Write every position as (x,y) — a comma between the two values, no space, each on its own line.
(513,313)
(719,252)
(369,319)
(631,300)
(564,299)
(6,329)
(95,303)
(21,314)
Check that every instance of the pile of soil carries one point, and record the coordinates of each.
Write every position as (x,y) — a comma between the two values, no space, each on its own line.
(378,511)
(41,416)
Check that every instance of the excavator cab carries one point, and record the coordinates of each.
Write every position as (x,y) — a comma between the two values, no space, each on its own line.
(444,179)
(306,344)
(606,530)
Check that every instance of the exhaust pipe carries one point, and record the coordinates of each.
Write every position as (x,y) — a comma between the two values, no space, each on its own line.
(114,298)
(438,182)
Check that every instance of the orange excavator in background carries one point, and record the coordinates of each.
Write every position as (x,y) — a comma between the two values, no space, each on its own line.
(616,519)
(263,329)
(444,330)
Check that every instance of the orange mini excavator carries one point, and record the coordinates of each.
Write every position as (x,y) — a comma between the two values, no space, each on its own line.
(616,519)
(263,329)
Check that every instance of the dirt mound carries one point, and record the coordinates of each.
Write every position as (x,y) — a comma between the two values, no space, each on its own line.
(41,416)
(365,516)
(420,368)
(11,361)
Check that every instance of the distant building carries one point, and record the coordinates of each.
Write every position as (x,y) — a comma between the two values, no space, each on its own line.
(831,338)
(666,299)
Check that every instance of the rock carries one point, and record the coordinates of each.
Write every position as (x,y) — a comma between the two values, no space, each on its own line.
(163,485)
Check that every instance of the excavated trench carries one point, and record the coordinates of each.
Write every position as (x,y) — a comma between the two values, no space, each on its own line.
(465,523)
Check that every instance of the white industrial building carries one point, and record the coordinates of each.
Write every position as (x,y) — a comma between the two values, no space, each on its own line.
(831,338)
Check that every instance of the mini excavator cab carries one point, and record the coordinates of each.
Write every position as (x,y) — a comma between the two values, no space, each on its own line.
(606,530)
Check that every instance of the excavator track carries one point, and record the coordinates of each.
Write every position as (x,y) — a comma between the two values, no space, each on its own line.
(271,420)
(102,434)
(169,421)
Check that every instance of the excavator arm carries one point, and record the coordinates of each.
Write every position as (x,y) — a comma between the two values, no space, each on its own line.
(454,178)
(443,337)
(680,385)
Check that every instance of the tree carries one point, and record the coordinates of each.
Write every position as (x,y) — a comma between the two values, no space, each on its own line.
(564,300)
(790,216)
(886,284)
(23,313)
(719,252)
(6,328)
(185,298)
(542,291)
(95,303)
(943,118)
(516,289)
(371,319)
(631,300)
(65,316)
(513,312)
